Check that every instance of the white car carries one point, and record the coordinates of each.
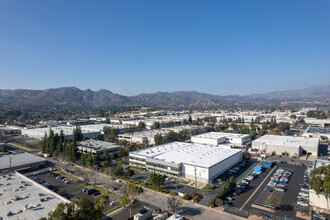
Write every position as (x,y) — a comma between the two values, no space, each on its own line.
(280,189)
(272,183)
(303,194)
(118,181)
(302,203)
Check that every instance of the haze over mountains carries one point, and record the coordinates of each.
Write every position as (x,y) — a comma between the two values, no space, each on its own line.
(74,97)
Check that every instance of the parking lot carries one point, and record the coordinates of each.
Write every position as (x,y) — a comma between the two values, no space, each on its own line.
(176,185)
(73,190)
(286,201)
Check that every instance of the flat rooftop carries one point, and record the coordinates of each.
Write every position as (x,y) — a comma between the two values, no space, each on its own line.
(98,145)
(184,127)
(99,127)
(217,135)
(147,133)
(188,153)
(19,159)
(210,135)
(20,193)
(288,141)
(325,131)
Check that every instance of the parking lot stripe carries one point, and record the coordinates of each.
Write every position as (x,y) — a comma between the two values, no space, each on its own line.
(257,188)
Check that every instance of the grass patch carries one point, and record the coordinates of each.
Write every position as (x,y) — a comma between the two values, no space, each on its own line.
(113,209)
(103,191)
(66,175)
(24,146)
(208,187)
(184,181)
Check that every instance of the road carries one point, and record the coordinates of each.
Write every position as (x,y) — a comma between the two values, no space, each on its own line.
(149,197)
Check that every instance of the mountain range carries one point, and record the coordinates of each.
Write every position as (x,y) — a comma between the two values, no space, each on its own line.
(74,97)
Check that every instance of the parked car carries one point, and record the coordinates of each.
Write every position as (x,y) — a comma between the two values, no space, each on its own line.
(303,194)
(268,189)
(280,189)
(96,193)
(302,203)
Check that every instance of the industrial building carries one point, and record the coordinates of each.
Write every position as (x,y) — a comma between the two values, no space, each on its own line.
(97,147)
(20,162)
(321,123)
(142,137)
(187,160)
(295,146)
(216,138)
(177,129)
(39,133)
(317,133)
(88,131)
(23,198)
(9,130)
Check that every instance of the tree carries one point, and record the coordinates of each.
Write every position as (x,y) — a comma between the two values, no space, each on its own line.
(84,209)
(141,126)
(77,134)
(320,181)
(156,179)
(173,203)
(129,172)
(158,139)
(246,155)
(117,170)
(129,194)
(122,152)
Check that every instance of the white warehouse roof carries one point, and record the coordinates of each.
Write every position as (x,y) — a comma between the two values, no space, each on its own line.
(20,193)
(216,135)
(188,153)
(288,141)
(18,160)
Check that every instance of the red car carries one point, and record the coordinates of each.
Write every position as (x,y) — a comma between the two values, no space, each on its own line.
(96,193)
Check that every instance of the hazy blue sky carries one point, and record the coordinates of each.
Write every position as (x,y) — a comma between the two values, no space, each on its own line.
(131,47)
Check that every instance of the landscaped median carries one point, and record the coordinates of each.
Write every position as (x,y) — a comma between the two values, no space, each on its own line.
(103,191)
(73,178)
(24,146)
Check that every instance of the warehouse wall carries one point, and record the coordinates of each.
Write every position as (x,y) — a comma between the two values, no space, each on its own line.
(188,171)
(224,165)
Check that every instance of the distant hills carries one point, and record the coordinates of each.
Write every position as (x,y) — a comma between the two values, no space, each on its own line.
(74,97)
(311,92)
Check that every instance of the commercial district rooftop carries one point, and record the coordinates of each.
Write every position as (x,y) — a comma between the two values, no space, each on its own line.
(216,135)
(25,198)
(288,141)
(188,153)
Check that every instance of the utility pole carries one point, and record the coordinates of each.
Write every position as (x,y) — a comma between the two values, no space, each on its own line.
(10,159)
(275,203)
(195,182)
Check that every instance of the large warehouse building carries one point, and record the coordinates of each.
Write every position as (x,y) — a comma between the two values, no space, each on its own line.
(20,162)
(23,198)
(187,159)
(97,147)
(320,133)
(295,146)
(216,138)
(142,137)
(88,131)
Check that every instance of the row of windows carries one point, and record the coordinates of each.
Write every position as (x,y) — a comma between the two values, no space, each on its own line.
(139,159)
(162,166)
